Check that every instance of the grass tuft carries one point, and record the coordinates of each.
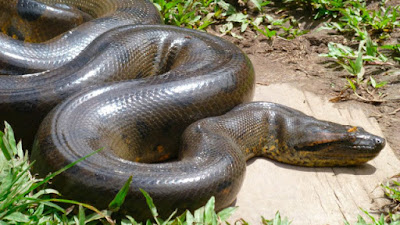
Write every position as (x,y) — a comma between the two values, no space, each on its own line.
(368,27)
(24,200)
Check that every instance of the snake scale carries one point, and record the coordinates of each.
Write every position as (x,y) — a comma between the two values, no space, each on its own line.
(108,75)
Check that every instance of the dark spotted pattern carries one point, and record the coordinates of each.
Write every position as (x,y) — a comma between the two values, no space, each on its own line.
(12,31)
(118,83)
(30,10)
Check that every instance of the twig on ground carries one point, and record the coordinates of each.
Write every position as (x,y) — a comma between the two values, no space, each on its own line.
(394,112)
(369,100)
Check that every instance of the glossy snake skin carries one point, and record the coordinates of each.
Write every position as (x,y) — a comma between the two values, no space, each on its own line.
(132,87)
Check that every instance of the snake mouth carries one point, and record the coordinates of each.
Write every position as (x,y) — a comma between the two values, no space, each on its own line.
(351,149)
(374,145)
(343,139)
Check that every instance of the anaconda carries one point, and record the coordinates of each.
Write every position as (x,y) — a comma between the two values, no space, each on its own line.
(133,89)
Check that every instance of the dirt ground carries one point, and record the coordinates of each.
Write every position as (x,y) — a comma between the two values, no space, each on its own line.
(281,61)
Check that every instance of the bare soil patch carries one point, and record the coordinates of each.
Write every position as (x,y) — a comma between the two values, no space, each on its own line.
(280,60)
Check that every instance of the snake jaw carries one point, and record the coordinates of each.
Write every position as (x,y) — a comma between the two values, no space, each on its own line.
(374,143)
(342,146)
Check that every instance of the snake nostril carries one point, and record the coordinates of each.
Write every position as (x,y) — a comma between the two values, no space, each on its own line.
(380,141)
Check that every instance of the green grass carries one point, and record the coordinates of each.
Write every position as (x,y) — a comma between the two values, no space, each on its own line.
(392,191)
(369,28)
(24,199)
(356,18)
(199,14)
(353,18)
(353,62)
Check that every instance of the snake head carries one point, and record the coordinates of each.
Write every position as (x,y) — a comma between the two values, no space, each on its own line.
(329,144)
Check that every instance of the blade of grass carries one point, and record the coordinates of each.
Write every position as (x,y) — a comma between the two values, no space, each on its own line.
(51,176)
(119,199)
(150,203)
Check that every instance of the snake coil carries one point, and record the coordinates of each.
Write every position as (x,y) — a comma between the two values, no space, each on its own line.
(132,86)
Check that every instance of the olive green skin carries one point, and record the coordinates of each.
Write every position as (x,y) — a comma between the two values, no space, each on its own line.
(133,90)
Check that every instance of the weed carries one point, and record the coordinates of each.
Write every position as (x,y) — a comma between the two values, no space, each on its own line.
(190,14)
(375,221)
(22,201)
(392,191)
(276,221)
(199,14)
(266,32)
(260,4)
(353,62)
(356,18)
(395,48)
(321,8)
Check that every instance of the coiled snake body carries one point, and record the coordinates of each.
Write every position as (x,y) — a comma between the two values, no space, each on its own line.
(132,88)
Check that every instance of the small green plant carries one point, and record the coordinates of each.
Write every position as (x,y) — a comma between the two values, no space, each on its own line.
(199,14)
(276,221)
(184,13)
(260,4)
(266,32)
(395,48)
(353,61)
(291,32)
(23,200)
(321,8)
(380,221)
(203,215)
(349,59)
(392,191)
(285,27)
(356,18)
(240,18)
